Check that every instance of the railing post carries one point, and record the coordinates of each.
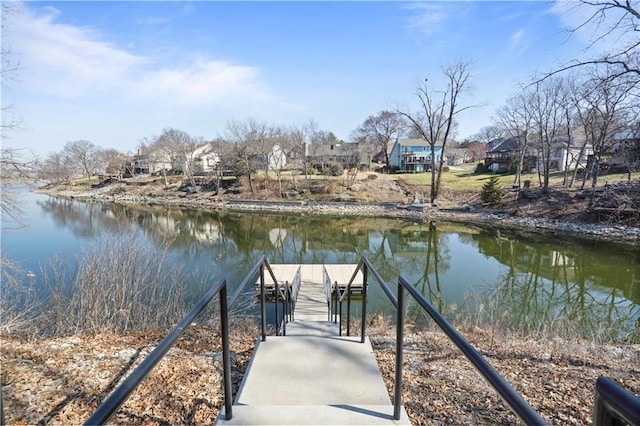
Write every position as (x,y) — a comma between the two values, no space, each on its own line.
(263,307)
(336,294)
(277,310)
(364,304)
(340,315)
(349,309)
(226,353)
(286,307)
(397,396)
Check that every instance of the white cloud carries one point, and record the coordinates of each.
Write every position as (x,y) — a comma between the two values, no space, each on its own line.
(517,41)
(66,60)
(206,82)
(76,63)
(428,19)
(73,84)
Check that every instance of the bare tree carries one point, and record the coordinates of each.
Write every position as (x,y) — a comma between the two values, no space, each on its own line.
(295,146)
(84,154)
(605,108)
(435,119)
(9,67)
(377,130)
(243,134)
(515,119)
(607,20)
(547,105)
(173,149)
(115,162)
(57,167)
(489,133)
(16,166)
(277,159)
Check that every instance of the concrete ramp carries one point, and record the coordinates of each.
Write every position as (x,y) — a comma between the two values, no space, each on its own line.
(312,376)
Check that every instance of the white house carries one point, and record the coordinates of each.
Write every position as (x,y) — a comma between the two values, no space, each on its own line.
(205,160)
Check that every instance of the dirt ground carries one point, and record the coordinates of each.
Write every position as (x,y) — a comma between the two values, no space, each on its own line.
(617,203)
(61,381)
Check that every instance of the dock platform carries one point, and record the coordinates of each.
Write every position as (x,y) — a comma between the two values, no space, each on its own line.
(312,375)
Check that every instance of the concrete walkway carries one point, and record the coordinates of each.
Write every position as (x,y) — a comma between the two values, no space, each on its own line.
(312,376)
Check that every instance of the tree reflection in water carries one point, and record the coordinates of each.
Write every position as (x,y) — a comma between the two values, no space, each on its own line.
(530,284)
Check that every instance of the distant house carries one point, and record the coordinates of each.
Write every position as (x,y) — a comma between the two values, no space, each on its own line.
(276,158)
(563,158)
(501,155)
(457,156)
(625,152)
(150,162)
(347,155)
(205,160)
(381,157)
(413,155)
(201,160)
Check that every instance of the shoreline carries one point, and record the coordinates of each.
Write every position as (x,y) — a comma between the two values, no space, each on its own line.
(610,233)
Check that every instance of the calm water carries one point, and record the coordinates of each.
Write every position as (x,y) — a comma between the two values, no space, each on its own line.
(458,268)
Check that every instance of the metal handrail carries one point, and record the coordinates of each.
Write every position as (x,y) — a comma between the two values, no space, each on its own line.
(120,395)
(367,268)
(295,290)
(615,404)
(296,283)
(513,399)
(326,284)
(519,406)
(337,304)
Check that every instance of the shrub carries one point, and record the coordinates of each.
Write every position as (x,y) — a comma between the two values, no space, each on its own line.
(491,193)
(334,170)
(480,168)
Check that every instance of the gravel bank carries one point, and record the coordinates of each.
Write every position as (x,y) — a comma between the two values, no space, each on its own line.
(600,232)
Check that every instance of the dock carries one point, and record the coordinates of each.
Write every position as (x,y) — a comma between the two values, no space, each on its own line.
(312,375)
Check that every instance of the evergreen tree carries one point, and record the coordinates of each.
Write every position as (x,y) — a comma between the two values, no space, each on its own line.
(491,193)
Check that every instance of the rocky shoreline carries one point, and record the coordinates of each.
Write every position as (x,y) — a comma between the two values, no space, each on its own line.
(614,233)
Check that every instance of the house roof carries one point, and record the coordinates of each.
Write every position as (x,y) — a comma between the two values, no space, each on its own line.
(415,142)
(502,145)
(340,148)
(456,151)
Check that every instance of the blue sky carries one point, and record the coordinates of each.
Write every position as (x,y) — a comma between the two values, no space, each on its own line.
(114,73)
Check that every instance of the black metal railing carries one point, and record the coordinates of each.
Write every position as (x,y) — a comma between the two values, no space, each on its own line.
(515,401)
(614,405)
(120,395)
(109,407)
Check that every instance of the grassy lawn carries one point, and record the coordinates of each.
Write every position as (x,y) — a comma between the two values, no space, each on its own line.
(465,179)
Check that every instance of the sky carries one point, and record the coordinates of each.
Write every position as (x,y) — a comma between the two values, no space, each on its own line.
(117,73)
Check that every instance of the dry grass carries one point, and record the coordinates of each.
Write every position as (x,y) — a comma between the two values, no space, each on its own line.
(119,284)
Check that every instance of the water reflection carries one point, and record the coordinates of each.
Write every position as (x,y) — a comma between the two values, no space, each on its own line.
(531,282)
(594,291)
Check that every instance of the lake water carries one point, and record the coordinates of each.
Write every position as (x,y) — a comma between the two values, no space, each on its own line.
(526,282)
